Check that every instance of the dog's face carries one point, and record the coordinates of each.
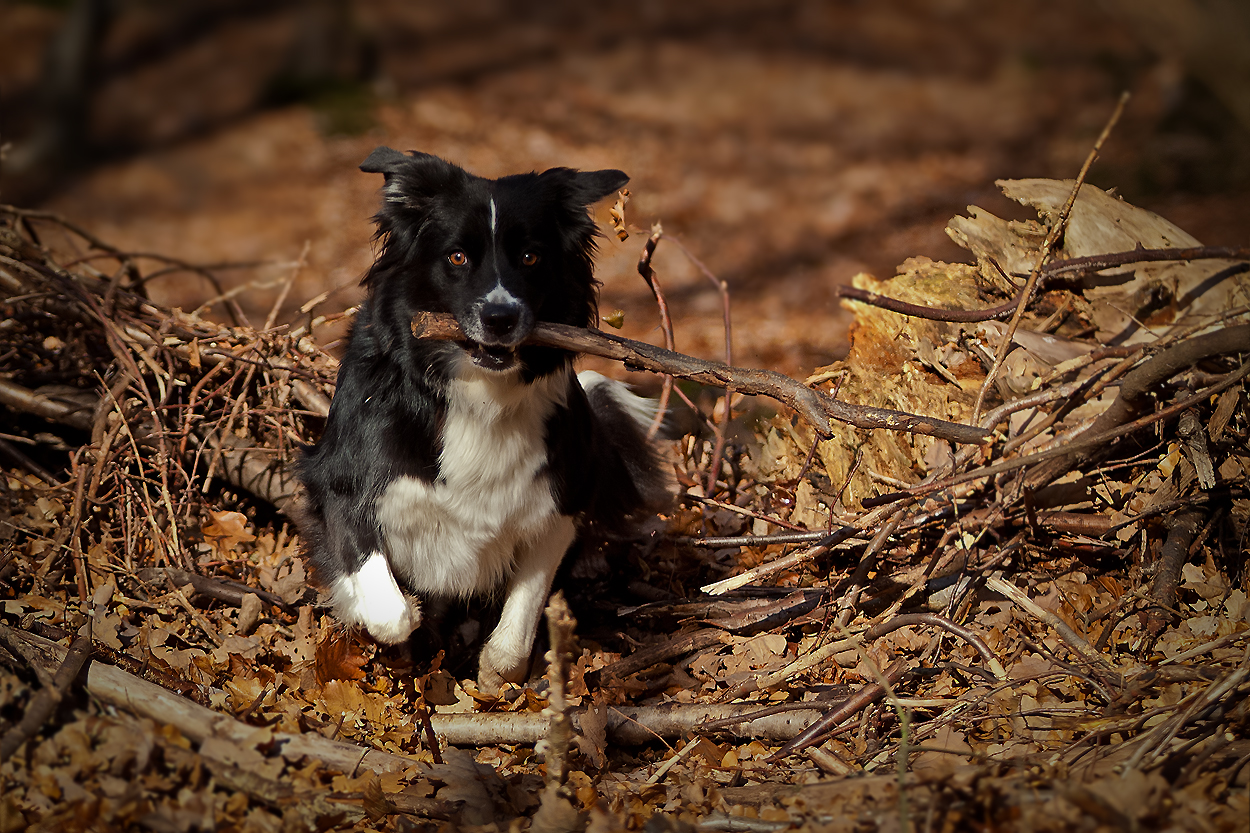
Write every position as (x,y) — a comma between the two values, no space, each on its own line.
(499,255)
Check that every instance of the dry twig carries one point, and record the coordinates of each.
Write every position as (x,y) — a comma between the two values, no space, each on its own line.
(819,409)
(44,704)
(1052,237)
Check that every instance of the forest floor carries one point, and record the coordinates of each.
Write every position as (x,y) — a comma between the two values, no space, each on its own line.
(788,147)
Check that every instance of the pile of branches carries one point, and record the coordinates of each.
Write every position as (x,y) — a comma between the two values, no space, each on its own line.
(951,488)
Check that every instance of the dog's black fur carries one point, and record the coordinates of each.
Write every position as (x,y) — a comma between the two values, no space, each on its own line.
(467,467)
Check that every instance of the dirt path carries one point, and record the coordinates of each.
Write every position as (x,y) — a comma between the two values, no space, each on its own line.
(788,145)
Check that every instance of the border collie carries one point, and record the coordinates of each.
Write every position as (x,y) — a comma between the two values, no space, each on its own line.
(452,469)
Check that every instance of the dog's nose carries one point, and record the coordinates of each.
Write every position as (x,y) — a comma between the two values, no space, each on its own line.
(499,321)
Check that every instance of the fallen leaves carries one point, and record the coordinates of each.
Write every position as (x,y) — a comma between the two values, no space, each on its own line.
(226,531)
(1036,696)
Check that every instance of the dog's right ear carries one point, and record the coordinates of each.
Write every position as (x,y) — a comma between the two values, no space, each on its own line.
(384,160)
(390,162)
(412,178)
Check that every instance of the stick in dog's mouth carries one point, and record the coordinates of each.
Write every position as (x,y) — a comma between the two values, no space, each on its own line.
(444,328)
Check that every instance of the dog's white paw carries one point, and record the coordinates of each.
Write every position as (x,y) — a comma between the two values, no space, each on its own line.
(495,667)
(395,625)
(370,597)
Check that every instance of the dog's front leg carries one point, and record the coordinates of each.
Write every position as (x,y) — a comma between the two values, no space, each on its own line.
(505,657)
(362,589)
(370,596)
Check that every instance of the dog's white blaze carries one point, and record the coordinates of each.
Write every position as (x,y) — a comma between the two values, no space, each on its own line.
(370,597)
(492,506)
(500,295)
(494,245)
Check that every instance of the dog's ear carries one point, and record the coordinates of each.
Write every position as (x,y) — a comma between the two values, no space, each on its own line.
(386,161)
(583,188)
(390,162)
(592,186)
(412,178)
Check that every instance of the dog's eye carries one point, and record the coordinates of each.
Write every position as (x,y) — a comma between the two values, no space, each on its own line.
(529,259)
(457,258)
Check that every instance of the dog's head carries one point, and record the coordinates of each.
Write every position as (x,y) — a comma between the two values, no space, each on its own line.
(499,255)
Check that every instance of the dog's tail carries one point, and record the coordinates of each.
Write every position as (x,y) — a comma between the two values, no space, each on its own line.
(635,478)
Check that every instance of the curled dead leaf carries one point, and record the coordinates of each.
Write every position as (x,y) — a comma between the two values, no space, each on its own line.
(617,213)
(339,657)
(227,530)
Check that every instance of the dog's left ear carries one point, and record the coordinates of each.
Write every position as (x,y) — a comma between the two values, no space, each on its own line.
(595,185)
(588,187)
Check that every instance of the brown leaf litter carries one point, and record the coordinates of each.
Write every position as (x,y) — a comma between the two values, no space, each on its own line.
(1047,630)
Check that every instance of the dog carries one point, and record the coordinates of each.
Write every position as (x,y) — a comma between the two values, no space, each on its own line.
(453,469)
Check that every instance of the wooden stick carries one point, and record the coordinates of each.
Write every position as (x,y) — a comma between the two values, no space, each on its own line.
(627,726)
(197,723)
(560,627)
(817,408)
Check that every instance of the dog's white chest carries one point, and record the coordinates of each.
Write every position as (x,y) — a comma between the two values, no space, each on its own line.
(458,535)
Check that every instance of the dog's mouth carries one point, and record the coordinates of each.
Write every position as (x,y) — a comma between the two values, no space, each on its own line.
(492,357)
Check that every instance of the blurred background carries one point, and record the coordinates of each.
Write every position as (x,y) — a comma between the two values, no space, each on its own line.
(788,145)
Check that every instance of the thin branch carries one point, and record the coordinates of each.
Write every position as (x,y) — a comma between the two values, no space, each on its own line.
(44,703)
(560,626)
(767,682)
(819,409)
(859,701)
(1075,641)
(223,590)
(1086,442)
(1097,263)
(244,465)
(679,645)
(1056,232)
(1182,528)
(666,323)
(928,313)
(721,427)
(1139,384)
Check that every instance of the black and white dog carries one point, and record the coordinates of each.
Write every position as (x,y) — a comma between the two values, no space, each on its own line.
(449,469)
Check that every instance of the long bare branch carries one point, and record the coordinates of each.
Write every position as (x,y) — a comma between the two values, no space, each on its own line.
(817,408)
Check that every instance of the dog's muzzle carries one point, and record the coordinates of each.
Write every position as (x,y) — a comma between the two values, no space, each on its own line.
(501,328)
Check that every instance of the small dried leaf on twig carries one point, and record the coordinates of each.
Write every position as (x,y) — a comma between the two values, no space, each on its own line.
(617,213)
